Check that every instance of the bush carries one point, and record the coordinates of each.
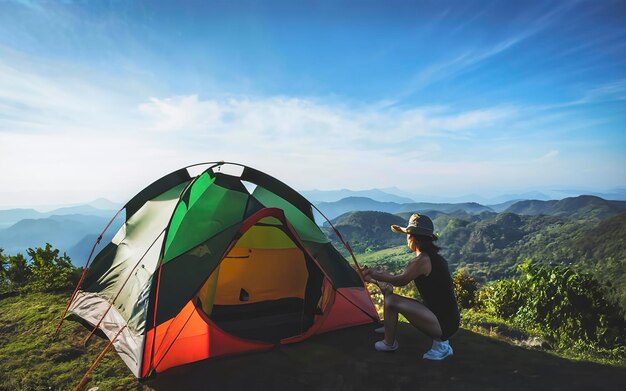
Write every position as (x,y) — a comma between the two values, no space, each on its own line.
(503,298)
(51,272)
(568,306)
(46,271)
(465,289)
(14,271)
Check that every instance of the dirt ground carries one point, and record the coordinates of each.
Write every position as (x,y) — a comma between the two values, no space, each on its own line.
(346,360)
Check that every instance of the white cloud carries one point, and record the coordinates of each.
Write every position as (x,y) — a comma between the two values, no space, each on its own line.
(304,121)
(69,135)
(306,142)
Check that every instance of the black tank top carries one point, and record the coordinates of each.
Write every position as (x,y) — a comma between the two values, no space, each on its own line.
(437,290)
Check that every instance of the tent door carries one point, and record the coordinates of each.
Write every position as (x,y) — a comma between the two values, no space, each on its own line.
(265,289)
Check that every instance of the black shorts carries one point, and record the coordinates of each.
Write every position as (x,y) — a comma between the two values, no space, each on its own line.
(449,323)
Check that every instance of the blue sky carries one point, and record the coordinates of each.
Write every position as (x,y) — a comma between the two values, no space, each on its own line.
(98,99)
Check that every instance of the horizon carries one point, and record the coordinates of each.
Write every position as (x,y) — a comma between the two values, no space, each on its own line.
(618,194)
(97,100)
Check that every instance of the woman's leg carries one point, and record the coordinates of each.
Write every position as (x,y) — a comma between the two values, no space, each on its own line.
(415,312)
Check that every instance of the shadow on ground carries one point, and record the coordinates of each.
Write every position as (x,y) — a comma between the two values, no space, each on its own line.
(346,360)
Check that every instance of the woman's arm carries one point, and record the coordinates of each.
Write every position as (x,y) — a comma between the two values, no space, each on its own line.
(417,267)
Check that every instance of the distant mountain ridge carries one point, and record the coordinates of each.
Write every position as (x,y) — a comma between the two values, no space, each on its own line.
(100,207)
(74,229)
(71,229)
(585,206)
(581,207)
(61,231)
(351,204)
(317,196)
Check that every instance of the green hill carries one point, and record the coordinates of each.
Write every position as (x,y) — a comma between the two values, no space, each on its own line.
(351,204)
(490,245)
(582,207)
(367,231)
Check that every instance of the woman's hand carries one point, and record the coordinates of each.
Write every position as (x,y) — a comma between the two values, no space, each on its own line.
(385,287)
(367,273)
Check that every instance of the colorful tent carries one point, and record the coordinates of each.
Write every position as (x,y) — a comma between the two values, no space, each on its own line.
(223,262)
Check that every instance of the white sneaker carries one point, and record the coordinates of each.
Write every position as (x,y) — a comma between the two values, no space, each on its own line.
(439,351)
(380,330)
(382,346)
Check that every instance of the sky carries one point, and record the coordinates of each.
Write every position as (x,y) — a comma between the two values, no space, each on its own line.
(101,98)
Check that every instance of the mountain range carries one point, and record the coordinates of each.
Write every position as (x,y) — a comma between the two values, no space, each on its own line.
(587,232)
(394,194)
(71,229)
(100,207)
(349,204)
(74,229)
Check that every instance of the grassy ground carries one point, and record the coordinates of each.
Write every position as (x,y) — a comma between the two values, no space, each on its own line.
(30,360)
(393,259)
(345,359)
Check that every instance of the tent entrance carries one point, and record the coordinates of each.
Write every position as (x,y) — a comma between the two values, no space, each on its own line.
(266,288)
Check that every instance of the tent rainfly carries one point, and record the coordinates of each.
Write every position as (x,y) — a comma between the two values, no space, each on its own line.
(223,262)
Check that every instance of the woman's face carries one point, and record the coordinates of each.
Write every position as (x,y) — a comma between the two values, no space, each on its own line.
(410,242)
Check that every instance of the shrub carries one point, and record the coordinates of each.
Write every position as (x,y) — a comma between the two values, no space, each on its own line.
(51,272)
(568,306)
(15,271)
(465,289)
(503,298)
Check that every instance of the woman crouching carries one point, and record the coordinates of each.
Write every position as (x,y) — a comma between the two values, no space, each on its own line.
(438,316)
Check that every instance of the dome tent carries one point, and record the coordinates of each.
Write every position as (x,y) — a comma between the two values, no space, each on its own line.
(214,264)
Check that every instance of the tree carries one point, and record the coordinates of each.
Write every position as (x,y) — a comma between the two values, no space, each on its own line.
(18,272)
(51,272)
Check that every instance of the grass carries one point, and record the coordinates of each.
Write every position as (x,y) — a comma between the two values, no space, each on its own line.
(393,259)
(488,325)
(31,360)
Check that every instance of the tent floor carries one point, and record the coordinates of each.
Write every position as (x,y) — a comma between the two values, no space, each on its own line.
(267,321)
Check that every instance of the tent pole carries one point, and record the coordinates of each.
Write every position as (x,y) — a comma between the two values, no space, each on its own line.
(306,251)
(82,277)
(359,270)
(93,366)
(156,304)
(120,291)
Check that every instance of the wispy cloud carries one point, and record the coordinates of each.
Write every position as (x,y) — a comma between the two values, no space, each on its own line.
(98,100)
(307,121)
(612,91)
(466,59)
(72,131)
(550,155)
(38,96)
